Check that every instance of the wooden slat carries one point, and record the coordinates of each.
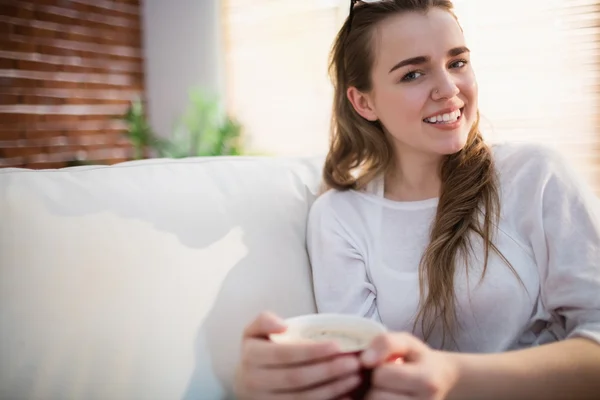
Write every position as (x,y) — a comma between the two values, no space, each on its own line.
(105,79)
(20,118)
(32,84)
(7,63)
(96,63)
(87,8)
(82,94)
(105,153)
(53,101)
(121,51)
(26,65)
(54,128)
(14,162)
(12,152)
(56,67)
(9,45)
(11,135)
(66,153)
(27,27)
(97,6)
(25,47)
(113,138)
(62,14)
(134,10)
(85,110)
(12,9)
(49,165)
(6,99)
(36,100)
(5,28)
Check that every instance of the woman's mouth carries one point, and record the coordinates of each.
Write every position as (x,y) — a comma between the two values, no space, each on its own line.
(445,119)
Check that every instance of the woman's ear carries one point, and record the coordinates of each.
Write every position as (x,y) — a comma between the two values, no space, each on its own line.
(362,103)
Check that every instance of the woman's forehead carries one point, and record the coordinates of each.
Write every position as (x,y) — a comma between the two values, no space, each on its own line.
(416,34)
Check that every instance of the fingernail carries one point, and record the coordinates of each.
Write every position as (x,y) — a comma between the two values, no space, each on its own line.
(369,356)
(280,325)
(271,321)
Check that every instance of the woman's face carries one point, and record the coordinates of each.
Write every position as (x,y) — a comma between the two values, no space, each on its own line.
(424,91)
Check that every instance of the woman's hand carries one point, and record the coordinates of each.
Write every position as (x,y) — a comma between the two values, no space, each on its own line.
(273,371)
(405,368)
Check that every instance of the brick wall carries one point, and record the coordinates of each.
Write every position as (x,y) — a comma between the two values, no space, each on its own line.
(67,68)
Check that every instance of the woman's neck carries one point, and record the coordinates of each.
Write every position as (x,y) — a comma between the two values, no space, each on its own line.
(413,177)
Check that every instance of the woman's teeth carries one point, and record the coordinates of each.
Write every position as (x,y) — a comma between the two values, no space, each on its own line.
(444,118)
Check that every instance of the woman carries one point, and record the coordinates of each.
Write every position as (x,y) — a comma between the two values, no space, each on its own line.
(489,257)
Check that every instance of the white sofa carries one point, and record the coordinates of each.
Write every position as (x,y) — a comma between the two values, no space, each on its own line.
(134,281)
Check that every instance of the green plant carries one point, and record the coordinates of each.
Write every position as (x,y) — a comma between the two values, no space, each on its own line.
(139,132)
(204,130)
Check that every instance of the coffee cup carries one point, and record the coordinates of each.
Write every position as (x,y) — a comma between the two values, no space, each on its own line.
(353,335)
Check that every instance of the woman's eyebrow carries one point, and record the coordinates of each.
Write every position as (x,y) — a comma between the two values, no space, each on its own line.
(424,59)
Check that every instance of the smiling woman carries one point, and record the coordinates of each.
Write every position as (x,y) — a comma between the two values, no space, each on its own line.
(481,260)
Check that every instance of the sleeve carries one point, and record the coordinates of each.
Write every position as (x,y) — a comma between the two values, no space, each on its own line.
(340,279)
(566,241)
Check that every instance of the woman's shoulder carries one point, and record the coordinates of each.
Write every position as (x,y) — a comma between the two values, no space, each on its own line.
(333,201)
(526,155)
(344,208)
(531,171)
(529,163)
(339,212)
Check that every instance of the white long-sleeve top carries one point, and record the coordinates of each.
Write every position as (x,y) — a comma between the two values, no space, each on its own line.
(365,252)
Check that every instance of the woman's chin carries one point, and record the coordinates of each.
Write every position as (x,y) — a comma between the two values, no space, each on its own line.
(452,145)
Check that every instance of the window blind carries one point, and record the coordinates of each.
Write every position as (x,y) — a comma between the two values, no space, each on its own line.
(538,67)
(537,63)
(276,61)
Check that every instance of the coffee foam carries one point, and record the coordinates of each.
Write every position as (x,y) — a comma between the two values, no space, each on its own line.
(351,333)
(347,339)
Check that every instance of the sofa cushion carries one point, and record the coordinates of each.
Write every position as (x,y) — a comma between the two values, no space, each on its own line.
(134,281)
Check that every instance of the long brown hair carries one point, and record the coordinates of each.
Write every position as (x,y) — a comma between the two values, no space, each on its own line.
(359,151)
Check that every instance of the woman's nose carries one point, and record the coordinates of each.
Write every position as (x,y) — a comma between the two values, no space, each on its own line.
(445,88)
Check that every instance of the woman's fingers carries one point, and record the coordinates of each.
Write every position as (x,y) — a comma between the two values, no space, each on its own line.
(259,352)
(400,378)
(426,380)
(329,391)
(299,378)
(281,371)
(377,394)
(388,345)
(265,324)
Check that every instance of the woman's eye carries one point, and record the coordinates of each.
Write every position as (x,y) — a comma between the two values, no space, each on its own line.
(411,76)
(458,64)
